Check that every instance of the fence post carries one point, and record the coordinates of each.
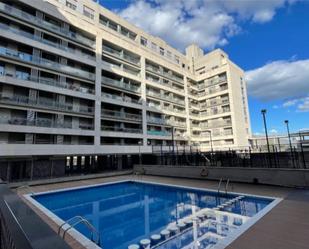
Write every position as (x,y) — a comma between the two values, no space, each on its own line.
(302,155)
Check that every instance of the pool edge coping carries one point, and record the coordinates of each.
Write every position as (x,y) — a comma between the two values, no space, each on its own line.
(88,244)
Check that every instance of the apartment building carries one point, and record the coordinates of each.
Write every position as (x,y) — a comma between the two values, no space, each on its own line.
(77,82)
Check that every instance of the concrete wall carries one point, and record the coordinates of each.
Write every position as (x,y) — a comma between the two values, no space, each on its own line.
(280,177)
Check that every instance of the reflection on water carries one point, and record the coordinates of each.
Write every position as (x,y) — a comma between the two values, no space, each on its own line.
(125,213)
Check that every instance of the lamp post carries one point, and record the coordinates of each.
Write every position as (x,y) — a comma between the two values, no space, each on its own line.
(289,136)
(139,152)
(263,111)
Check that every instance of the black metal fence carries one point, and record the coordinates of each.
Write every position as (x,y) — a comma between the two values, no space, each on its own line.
(257,157)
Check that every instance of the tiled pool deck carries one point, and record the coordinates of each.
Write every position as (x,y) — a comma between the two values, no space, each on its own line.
(286,226)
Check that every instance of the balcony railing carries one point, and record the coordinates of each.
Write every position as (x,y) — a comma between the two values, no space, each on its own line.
(46,104)
(159,133)
(120,67)
(121,55)
(40,39)
(45,62)
(50,82)
(164,74)
(7,9)
(159,81)
(154,120)
(120,98)
(119,84)
(121,115)
(214,112)
(165,97)
(121,129)
(216,124)
(43,122)
(215,103)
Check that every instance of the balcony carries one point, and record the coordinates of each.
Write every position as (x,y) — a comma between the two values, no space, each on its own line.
(121,67)
(212,82)
(159,81)
(122,99)
(45,103)
(121,129)
(121,115)
(215,103)
(7,9)
(159,121)
(215,112)
(120,84)
(43,122)
(121,55)
(46,63)
(165,97)
(164,74)
(50,43)
(50,82)
(217,124)
(159,133)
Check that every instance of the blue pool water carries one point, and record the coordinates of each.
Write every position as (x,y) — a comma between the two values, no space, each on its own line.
(126,212)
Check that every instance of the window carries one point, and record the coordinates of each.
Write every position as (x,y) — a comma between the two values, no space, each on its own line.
(1,70)
(88,12)
(161,51)
(154,46)
(71,4)
(144,41)
(169,54)
(176,59)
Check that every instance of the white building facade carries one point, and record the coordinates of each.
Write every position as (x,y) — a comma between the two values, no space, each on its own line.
(76,79)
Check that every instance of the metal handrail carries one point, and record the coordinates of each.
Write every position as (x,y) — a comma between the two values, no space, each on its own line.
(226,185)
(80,219)
(219,185)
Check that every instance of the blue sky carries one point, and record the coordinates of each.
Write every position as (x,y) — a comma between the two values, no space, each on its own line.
(268,39)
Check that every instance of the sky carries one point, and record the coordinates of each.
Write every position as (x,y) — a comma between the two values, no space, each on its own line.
(268,39)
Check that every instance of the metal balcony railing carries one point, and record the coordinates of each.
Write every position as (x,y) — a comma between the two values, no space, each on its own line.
(165,97)
(50,43)
(43,122)
(121,98)
(216,124)
(158,133)
(45,104)
(121,55)
(164,74)
(121,115)
(48,81)
(121,129)
(7,9)
(119,84)
(45,62)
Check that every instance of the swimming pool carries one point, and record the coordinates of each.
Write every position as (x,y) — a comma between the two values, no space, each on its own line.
(124,213)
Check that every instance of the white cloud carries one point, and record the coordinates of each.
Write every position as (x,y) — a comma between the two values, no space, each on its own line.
(303,106)
(208,23)
(280,80)
(273,131)
(290,103)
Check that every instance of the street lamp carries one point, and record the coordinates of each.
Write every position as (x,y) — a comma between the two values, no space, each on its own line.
(289,136)
(263,111)
(139,152)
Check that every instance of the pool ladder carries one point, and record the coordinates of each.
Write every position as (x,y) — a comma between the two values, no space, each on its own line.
(74,221)
(226,185)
